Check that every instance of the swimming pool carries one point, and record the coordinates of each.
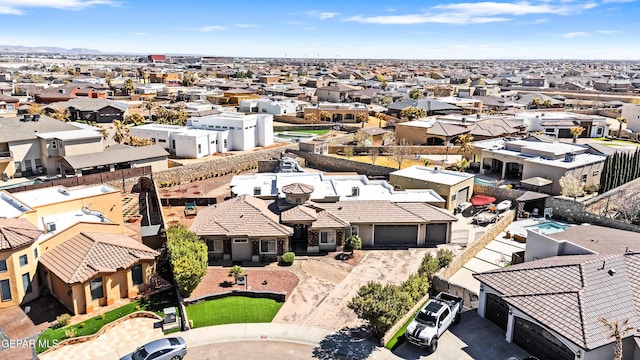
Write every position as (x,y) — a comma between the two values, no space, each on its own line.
(548,227)
(484,182)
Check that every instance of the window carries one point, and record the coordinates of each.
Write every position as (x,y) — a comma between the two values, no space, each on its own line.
(453,197)
(225,143)
(268,246)
(355,230)
(153,140)
(599,131)
(215,245)
(584,179)
(444,315)
(18,165)
(96,288)
(199,148)
(38,163)
(136,274)
(5,288)
(3,265)
(27,164)
(54,144)
(257,191)
(162,140)
(24,260)
(35,253)
(327,237)
(240,241)
(26,283)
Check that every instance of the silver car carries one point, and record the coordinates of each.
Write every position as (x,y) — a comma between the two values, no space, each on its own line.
(172,348)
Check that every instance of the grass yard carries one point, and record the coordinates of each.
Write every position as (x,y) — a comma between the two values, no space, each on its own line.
(91,326)
(232,310)
(388,161)
(315,132)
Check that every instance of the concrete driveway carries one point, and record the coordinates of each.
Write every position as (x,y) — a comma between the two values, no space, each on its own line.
(326,286)
(472,338)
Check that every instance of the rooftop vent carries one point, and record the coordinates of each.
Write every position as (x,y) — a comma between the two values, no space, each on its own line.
(26,117)
(36,117)
(63,191)
(50,227)
(61,91)
(436,169)
(355,191)
(569,157)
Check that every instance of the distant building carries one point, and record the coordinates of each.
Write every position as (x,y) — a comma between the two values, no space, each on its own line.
(157,58)
(631,112)
(268,106)
(559,124)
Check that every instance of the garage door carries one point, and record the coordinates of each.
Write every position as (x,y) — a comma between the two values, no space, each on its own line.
(462,195)
(497,311)
(538,342)
(395,235)
(436,234)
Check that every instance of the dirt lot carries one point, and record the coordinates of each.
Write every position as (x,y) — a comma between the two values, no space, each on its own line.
(217,280)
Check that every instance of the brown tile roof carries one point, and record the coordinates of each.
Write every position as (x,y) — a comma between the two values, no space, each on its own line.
(16,233)
(298,214)
(327,220)
(240,216)
(87,254)
(448,130)
(297,189)
(386,212)
(568,294)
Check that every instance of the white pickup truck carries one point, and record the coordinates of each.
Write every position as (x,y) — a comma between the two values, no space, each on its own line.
(433,320)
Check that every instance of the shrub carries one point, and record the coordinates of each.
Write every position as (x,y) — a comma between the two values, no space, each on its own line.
(429,267)
(63,320)
(103,316)
(353,242)
(235,271)
(81,325)
(69,333)
(288,258)
(445,256)
(265,281)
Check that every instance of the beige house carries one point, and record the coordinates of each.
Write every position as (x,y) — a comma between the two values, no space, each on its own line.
(348,113)
(453,186)
(69,242)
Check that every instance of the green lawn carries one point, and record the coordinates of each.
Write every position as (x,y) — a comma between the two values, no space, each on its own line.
(232,310)
(91,326)
(393,342)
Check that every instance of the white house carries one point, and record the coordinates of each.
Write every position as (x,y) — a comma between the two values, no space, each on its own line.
(631,112)
(268,106)
(558,124)
(207,135)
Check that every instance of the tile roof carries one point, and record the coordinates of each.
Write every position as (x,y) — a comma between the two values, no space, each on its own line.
(569,294)
(12,129)
(240,216)
(448,130)
(427,104)
(88,254)
(386,212)
(16,233)
(298,214)
(117,155)
(297,189)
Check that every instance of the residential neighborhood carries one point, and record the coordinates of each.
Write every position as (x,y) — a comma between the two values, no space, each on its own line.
(203,205)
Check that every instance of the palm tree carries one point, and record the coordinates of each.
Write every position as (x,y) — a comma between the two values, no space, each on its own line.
(35,108)
(105,133)
(149,105)
(576,131)
(310,117)
(465,141)
(324,116)
(121,132)
(188,79)
(616,332)
(621,121)
(60,114)
(129,86)
(380,117)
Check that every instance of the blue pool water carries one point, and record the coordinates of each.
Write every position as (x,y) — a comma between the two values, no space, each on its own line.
(548,227)
(484,182)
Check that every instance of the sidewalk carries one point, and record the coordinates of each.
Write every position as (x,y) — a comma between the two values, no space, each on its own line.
(112,348)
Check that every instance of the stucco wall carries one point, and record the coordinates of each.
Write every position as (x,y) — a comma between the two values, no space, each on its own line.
(329,163)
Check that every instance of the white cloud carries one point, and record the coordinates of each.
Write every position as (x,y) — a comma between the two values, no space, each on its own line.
(576,34)
(476,13)
(322,15)
(245,25)
(14,7)
(211,28)
(609,32)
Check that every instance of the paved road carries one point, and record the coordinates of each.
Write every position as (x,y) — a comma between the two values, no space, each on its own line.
(251,350)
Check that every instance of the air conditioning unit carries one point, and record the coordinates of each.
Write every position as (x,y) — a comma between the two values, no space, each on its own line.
(50,227)
(355,191)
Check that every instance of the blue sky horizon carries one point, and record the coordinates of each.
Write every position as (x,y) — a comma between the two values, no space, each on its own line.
(536,29)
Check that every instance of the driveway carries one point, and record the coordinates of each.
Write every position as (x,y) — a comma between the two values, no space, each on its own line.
(326,286)
(472,338)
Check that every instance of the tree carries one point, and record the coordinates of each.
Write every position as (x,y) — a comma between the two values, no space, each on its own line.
(373,154)
(60,114)
(133,119)
(548,103)
(121,132)
(412,113)
(576,131)
(325,116)
(617,331)
(401,151)
(362,117)
(380,117)
(188,258)
(385,101)
(621,121)
(348,151)
(353,243)
(416,94)
(535,103)
(465,141)
(461,165)
(381,305)
(139,141)
(571,186)
(429,267)
(445,257)
(149,105)
(310,117)
(35,108)
(188,79)
(129,86)
(360,137)
(105,133)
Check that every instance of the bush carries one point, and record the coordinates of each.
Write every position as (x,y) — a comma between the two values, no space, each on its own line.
(63,320)
(265,281)
(353,242)
(235,271)
(69,333)
(429,267)
(188,258)
(288,258)
(445,256)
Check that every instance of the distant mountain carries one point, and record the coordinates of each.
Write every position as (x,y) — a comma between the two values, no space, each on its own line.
(45,50)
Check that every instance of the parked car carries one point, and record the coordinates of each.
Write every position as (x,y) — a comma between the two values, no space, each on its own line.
(171,348)
(433,320)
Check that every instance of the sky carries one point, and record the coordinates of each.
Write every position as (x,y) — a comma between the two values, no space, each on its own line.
(410,29)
